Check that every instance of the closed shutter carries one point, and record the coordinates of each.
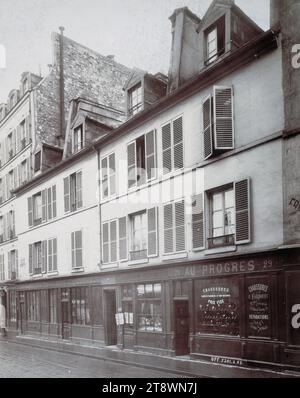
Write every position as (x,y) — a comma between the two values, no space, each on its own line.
(198,222)
(123,254)
(54,254)
(49,203)
(131,164)
(223,118)
(5,237)
(44,256)
(15,177)
(29,171)
(18,145)
(168,229)
(167,148)
(20,177)
(9,265)
(78,189)
(178,143)
(242,211)
(113,241)
(150,144)
(54,201)
(67,194)
(16,264)
(78,244)
(104,178)
(50,255)
(207,128)
(44,205)
(28,128)
(73,249)
(152,232)
(112,174)
(30,211)
(180,226)
(30,259)
(105,243)
(14,149)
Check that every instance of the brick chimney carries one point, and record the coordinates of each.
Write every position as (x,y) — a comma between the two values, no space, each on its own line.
(185,52)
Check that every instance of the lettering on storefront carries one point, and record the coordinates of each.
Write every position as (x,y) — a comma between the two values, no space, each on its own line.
(296,316)
(226,361)
(295,204)
(259,308)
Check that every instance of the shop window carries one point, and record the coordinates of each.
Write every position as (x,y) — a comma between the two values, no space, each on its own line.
(218,306)
(80,306)
(44,306)
(138,226)
(108,176)
(135,99)
(149,307)
(73,192)
(33,306)
(215,41)
(97,305)
(127,305)
(53,306)
(13,306)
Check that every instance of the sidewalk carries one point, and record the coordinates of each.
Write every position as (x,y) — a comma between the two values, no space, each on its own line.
(178,365)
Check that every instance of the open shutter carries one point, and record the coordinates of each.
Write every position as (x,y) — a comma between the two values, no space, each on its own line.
(104,177)
(131,164)
(54,254)
(49,203)
(150,144)
(54,201)
(223,118)
(180,226)
(112,174)
(78,245)
(168,229)
(28,129)
(207,129)
(15,177)
(14,149)
(18,140)
(30,211)
(105,243)
(242,211)
(123,254)
(152,232)
(78,189)
(113,241)
(16,264)
(73,249)
(30,259)
(44,205)
(67,194)
(44,256)
(178,143)
(167,148)
(9,265)
(50,255)
(198,222)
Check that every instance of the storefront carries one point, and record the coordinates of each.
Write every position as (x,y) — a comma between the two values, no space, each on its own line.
(240,311)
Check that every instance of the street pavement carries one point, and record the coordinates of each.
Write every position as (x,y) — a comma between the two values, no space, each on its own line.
(22,361)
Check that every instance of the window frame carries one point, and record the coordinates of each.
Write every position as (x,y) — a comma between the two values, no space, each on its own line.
(173,170)
(133,109)
(108,177)
(80,127)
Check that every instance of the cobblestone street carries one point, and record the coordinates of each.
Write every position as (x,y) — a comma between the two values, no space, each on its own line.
(21,361)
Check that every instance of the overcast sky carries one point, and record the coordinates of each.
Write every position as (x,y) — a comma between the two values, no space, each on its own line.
(137,32)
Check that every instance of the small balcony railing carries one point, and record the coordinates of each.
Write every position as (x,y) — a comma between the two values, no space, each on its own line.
(138,255)
(221,241)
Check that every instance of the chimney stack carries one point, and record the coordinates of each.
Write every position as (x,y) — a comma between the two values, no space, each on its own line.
(275,12)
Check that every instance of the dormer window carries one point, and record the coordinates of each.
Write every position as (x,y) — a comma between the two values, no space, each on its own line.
(25,86)
(78,138)
(135,99)
(215,41)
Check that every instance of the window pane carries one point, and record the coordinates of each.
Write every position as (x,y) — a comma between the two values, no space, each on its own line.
(229,199)
(217,201)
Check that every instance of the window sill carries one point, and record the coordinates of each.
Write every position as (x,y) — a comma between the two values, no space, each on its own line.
(52,273)
(109,265)
(219,250)
(77,270)
(174,256)
(136,262)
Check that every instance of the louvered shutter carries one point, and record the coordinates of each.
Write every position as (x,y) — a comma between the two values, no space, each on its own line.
(150,145)
(17,264)
(54,254)
(18,140)
(113,241)
(123,254)
(178,143)
(180,226)
(5,237)
(49,203)
(28,128)
(44,205)
(30,259)
(198,222)
(67,194)
(131,164)
(152,232)
(242,211)
(30,211)
(29,168)
(44,256)
(104,177)
(207,128)
(50,255)
(20,177)
(78,189)
(54,201)
(9,264)
(223,118)
(167,148)
(112,174)
(168,229)
(73,249)
(14,132)
(15,177)
(78,245)
(105,243)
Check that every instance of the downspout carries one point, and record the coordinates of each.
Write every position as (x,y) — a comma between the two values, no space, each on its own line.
(61,86)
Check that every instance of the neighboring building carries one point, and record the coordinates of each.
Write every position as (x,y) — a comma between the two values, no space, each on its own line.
(177,231)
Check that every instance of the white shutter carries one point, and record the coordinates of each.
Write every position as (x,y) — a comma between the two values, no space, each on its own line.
(178,143)
(123,251)
(152,232)
(105,243)
(180,226)
(78,245)
(168,229)
(223,118)
(131,164)
(113,241)
(54,254)
(28,129)
(9,264)
(44,256)
(150,149)
(78,189)
(54,201)
(104,178)
(242,211)
(167,148)
(198,222)
(207,128)
(49,204)
(73,249)
(30,211)
(67,194)
(112,174)
(30,259)
(44,205)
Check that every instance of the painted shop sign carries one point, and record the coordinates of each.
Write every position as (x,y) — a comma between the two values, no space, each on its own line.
(259,309)
(229,267)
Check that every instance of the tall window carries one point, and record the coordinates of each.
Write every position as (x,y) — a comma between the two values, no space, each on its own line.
(108,176)
(135,99)
(139,235)
(149,307)
(223,214)
(212,45)
(110,242)
(42,206)
(37,208)
(76,245)
(22,135)
(78,140)
(73,192)
(12,257)
(80,306)
(37,258)
(52,254)
(13,305)
(174,227)
(2,270)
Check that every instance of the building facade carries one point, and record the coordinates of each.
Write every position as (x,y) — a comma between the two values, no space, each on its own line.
(175,232)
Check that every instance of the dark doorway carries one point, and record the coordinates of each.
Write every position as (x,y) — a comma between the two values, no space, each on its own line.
(182,327)
(65,314)
(110,320)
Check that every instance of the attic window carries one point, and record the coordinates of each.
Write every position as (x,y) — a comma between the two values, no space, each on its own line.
(37,162)
(215,40)
(135,99)
(78,138)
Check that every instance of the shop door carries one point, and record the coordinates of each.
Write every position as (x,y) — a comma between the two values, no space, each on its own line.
(65,314)
(110,320)
(182,327)
(22,317)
